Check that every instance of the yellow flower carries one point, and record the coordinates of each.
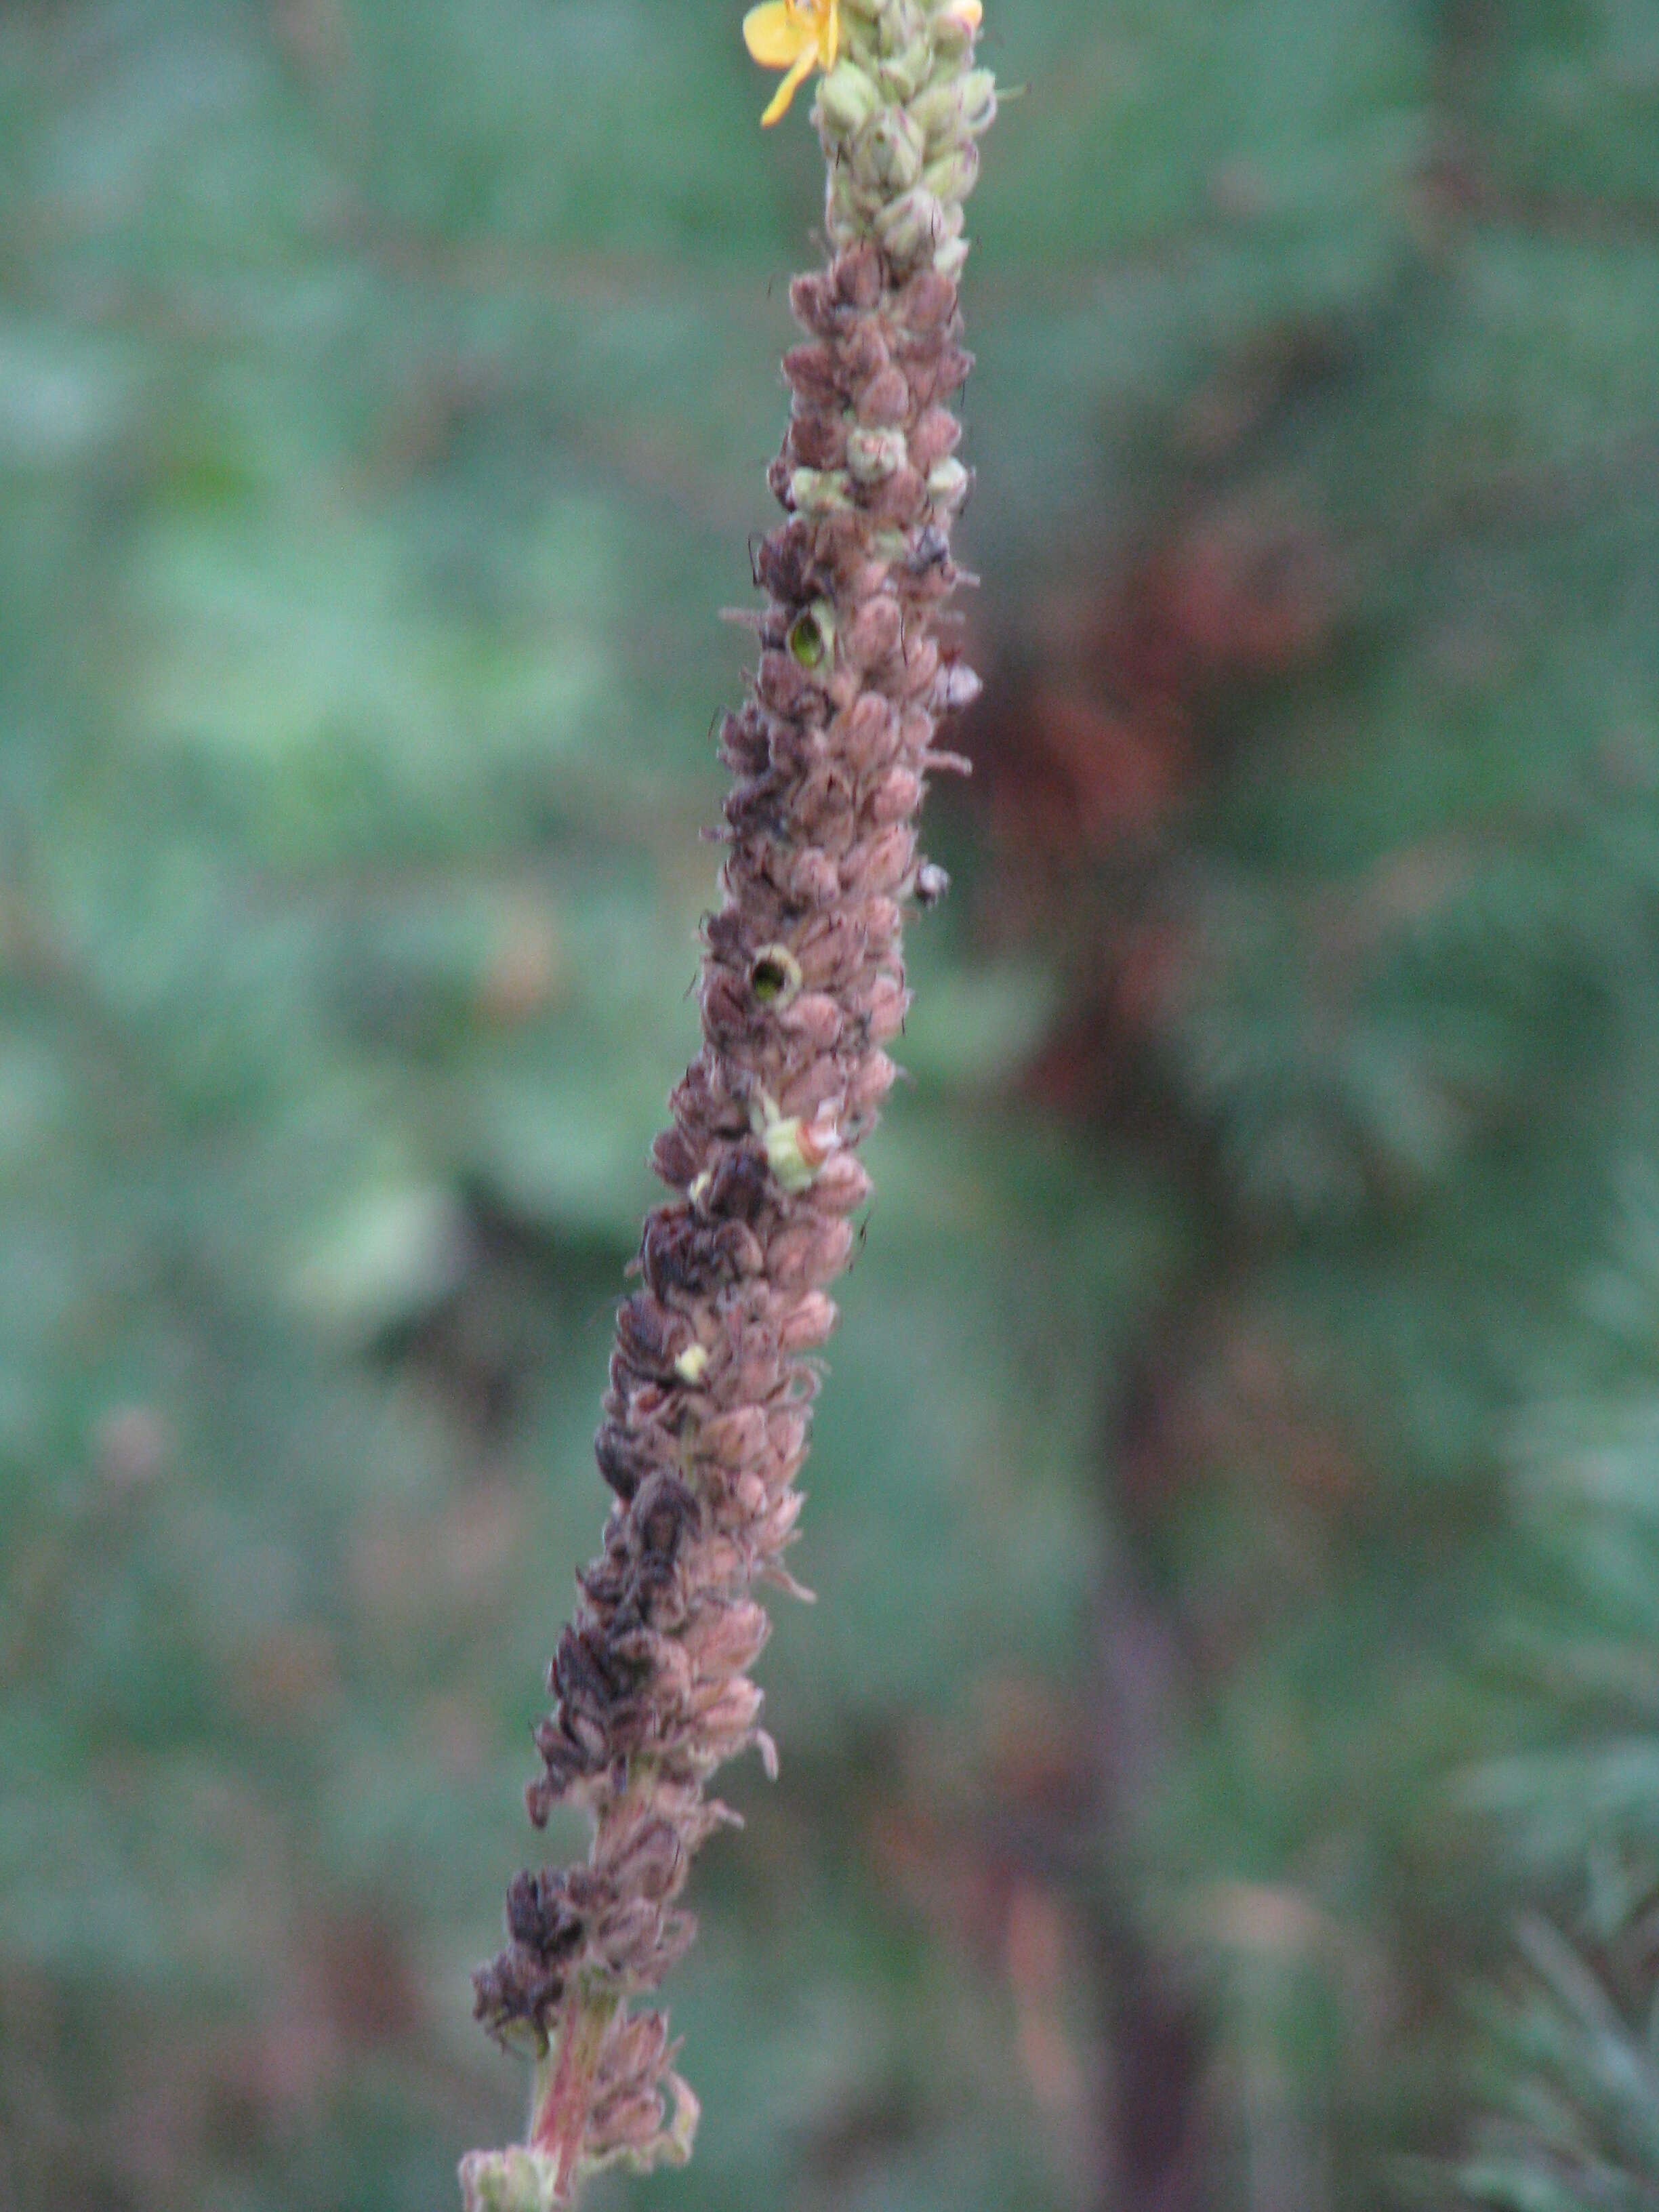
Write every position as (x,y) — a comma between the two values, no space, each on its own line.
(796,35)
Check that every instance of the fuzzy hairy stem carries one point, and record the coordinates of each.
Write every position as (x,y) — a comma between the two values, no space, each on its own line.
(564,2089)
(802,986)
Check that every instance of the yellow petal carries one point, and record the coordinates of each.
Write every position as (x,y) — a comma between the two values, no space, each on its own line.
(774,35)
(834,47)
(805,64)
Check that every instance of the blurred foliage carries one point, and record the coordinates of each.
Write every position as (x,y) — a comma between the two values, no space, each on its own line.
(1571,2063)
(1232,1515)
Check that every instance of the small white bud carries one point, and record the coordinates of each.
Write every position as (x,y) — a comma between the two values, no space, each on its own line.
(874,455)
(819,491)
(948,483)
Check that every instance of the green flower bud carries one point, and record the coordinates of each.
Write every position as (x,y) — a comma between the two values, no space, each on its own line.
(956,107)
(860,36)
(953,176)
(899,24)
(844,223)
(887,154)
(902,75)
(912,226)
(847,100)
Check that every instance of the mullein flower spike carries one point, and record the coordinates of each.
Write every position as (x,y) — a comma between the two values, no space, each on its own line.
(711,1380)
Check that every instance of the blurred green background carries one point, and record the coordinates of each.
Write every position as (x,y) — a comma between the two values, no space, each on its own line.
(1222,1770)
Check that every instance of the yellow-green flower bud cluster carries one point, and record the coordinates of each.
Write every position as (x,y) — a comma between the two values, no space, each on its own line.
(898,117)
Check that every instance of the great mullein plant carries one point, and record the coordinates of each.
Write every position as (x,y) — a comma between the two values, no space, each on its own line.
(802,989)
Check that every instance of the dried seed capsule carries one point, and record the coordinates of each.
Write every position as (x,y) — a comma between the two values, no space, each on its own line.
(663,1514)
(815,304)
(864,353)
(811,1322)
(936,435)
(783,685)
(677,1159)
(829,951)
(738,1186)
(814,1092)
(871,1084)
(813,878)
(621,1460)
(885,401)
(727,1007)
(818,440)
(895,796)
(727,1638)
(868,733)
(813,371)
(873,634)
(732,1439)
(928,302)
(920,666)
(856,275)
(816,1021)
(649,1335)
(841,1186)
(883,863)
(898,501)
(744,743)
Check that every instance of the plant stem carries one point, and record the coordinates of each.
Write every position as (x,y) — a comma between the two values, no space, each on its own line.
(563,2088)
